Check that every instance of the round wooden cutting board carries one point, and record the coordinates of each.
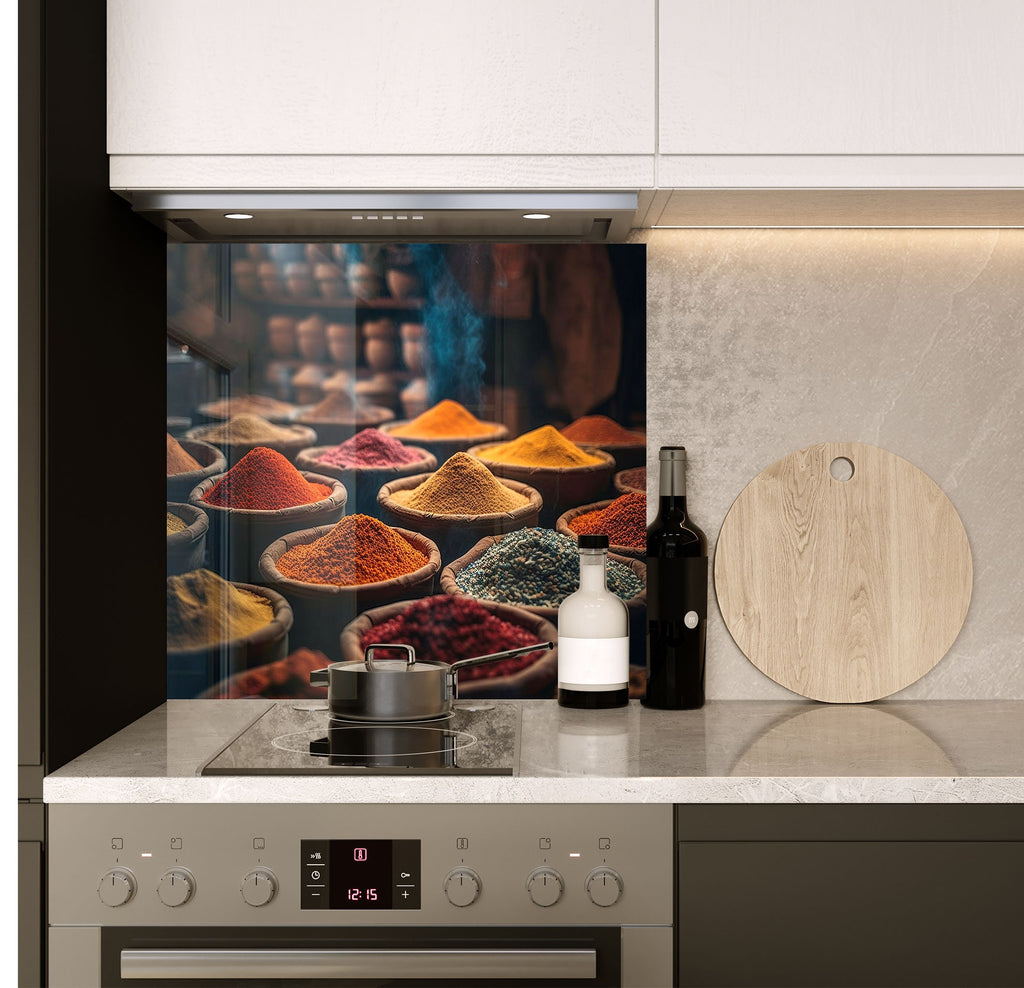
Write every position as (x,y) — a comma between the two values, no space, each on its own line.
(843,590)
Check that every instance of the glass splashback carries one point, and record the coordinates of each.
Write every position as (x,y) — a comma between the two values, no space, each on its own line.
(395,443)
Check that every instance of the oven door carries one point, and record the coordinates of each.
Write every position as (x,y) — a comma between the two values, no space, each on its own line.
(290,956)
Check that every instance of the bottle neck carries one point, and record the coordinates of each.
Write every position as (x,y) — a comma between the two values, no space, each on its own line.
(593,569)
(672,487)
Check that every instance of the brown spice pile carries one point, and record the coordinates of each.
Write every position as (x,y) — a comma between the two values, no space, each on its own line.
(338,406)
(179,460)
(250,429)
(249,405)
(462,486)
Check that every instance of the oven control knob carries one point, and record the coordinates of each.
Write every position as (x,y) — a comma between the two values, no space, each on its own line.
(259,886)
(604,886)
(545,886)
(176,887)
(462,886)
(116,887)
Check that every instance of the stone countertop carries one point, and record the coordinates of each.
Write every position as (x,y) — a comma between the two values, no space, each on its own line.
(762,751)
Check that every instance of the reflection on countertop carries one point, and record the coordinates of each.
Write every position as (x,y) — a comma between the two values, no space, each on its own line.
(729,751)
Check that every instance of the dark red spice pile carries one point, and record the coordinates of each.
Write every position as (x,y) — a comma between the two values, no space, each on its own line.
(369,448)
(264,480)
(446,628)
(624,521)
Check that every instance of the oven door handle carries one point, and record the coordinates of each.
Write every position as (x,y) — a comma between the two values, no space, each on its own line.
(440,965)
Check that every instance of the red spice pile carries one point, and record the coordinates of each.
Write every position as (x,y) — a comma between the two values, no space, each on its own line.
(447,628)
(359,549)
(264,480)
(369,448)
(288,677)
(597,429)
(624,521)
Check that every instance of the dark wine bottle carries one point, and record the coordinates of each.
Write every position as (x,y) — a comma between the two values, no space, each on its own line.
(677,594)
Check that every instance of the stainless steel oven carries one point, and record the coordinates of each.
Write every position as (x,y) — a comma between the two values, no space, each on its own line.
(313,894)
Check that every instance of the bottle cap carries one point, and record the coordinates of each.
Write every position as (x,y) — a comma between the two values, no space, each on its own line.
(593,541)
(672,453)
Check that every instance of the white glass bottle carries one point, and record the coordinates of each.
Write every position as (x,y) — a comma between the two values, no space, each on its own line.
(593,636)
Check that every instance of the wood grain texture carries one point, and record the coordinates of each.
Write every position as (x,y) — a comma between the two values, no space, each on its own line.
(843,591)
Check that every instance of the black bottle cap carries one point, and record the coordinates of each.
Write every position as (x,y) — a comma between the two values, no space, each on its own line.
(593,541)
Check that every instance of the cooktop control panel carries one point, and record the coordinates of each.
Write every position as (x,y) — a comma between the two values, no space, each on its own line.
(226,864)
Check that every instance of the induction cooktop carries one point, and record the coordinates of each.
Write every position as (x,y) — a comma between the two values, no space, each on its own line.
(300,738)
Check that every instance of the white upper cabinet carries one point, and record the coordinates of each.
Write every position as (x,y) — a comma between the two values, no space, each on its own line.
(841,77)
(829,78)
(386,77)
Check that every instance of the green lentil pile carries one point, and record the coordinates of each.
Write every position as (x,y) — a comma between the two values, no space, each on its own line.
(537,567)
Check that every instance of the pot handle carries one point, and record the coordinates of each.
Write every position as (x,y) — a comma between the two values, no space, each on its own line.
(320,677)
(494,656)
(410,655)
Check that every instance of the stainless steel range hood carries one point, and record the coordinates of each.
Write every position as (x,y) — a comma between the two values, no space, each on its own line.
(591,217)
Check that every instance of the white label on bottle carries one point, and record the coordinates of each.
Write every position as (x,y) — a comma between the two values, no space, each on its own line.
(593,663)
(691,619)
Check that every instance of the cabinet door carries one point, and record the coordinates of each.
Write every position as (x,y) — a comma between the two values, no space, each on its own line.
(846,77)
(928,914)
(388,77)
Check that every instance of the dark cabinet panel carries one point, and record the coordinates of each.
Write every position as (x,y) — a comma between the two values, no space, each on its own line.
(850,913)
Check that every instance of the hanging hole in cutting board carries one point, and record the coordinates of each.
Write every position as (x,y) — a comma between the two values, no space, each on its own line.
(841,468)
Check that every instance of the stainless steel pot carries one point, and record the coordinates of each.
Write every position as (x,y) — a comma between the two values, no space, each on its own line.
(396,690)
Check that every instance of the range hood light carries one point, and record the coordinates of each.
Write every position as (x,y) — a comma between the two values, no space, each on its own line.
(238,216)
(536,216)
(357,217)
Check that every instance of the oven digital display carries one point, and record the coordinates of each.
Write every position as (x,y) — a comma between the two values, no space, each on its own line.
(360,874)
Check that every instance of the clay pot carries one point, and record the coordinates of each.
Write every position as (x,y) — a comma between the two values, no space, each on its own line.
(311,339)
(298,279)
(402,283)
(381,355)
(246,279)
(330,279)
(363,281)
(281,334)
